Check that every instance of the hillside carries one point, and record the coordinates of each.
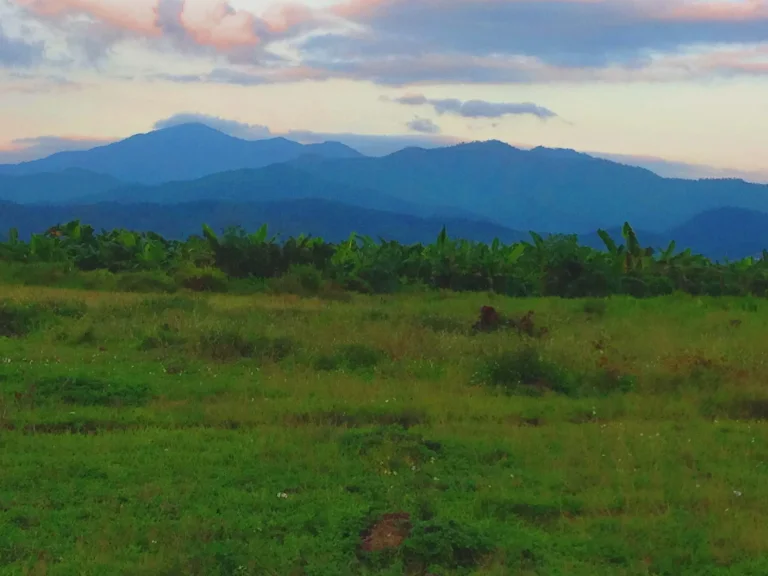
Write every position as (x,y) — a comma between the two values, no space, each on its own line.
(60,187)
(542,189)
(273,183)
(548,190)
(183,152)
(330,220)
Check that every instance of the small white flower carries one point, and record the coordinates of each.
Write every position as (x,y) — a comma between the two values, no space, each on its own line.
(737,493)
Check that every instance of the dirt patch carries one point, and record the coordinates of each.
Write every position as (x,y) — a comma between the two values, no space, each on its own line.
(388,533)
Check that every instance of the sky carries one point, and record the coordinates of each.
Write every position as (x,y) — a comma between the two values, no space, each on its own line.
(678,86)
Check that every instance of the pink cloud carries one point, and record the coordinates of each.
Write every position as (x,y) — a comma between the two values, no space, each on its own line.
(219,25)
(137,16)
(713,11)
(208,23)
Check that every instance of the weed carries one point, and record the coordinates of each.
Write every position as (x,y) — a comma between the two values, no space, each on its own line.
(350,357)
(18,320)
(525,372)
(376,315)
(202,279)
(441,323)
(85,390)
(738,408)
(300,279)
(159,304)
(362,417)
(446,544)
(391,446)
(225,344)
(145,282)
(595,307)
(163,336)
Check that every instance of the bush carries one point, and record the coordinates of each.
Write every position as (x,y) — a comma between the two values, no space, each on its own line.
(202,279)
(301,280)
(524,372)
(18,320)
(446,544)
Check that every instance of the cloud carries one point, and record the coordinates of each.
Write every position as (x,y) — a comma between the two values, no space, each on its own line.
(423,125)
(574,33)
(475,108)
(15,52)
(26,149)
(677,169)
(31,83)
(417,42)
(232,127)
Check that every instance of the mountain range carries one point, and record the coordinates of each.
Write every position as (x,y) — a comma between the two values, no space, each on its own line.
(192,173)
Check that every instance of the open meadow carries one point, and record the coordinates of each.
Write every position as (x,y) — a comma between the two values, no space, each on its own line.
(220,434)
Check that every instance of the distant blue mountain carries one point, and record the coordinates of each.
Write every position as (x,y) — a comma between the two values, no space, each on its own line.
(543,189)
(183,152)
(332,221)
(540,189)
(60,187)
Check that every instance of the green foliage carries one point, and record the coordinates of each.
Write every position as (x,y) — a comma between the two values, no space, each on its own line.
(445,544)
(202,279)
(350,357)
(18,319)
(525,372)
(555,265)
(441,323)
(85,390)
(227,344)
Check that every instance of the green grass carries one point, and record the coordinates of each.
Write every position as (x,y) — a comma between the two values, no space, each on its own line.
(221,435)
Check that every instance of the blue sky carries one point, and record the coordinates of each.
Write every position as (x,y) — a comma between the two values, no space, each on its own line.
(680,86)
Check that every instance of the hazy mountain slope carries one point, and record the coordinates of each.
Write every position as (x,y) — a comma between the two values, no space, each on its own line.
(182,152)
(728,232)
(272,183)
(58,187)
(331,220)
(543,189)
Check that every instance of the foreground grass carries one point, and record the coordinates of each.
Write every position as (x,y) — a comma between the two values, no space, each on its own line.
(261,435)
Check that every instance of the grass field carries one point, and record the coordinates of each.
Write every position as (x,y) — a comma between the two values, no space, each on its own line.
(213,435)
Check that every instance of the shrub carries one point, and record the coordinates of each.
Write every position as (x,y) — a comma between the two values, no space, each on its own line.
(18,320)
(444,543)
(162,337)
(202,279)
(525,372)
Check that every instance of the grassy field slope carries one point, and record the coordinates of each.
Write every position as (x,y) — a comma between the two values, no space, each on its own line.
(222,435)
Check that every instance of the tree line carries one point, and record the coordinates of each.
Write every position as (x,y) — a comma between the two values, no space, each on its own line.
(553,266)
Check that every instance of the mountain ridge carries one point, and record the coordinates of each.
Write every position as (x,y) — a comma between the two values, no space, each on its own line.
(196,150)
